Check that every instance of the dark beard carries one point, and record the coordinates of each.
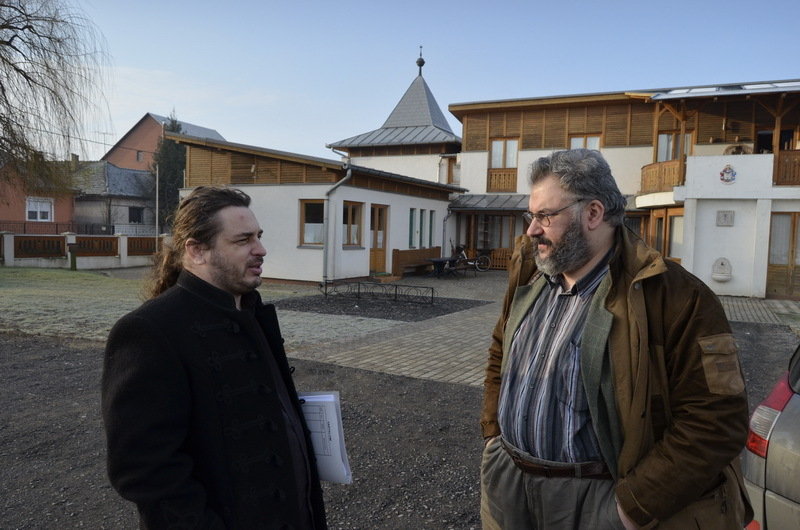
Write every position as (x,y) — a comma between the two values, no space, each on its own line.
(570,254)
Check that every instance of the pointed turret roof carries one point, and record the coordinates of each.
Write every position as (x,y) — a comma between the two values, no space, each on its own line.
(416,120)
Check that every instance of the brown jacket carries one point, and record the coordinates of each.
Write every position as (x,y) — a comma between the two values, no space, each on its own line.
(664,383)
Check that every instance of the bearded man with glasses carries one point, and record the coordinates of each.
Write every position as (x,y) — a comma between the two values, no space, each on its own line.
(613,396)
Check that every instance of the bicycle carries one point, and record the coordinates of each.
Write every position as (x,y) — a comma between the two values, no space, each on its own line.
(460,261)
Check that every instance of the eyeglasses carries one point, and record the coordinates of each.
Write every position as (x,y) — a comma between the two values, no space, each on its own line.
(544,218)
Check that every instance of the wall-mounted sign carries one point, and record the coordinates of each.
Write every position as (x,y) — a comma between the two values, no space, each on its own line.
(727,175)
(725,217)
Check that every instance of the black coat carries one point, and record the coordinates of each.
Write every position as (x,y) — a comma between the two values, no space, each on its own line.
(196,433)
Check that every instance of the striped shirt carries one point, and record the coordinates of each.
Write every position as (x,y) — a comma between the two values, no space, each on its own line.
(543,408)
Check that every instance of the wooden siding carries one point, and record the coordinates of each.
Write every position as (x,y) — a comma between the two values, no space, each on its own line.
(661,176)
(502,181)
(550,128)
(206,166)
(392,186)
(787,169)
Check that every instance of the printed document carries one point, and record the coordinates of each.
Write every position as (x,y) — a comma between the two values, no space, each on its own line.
(323,416)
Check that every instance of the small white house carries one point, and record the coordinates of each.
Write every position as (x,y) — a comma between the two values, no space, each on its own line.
(324,220)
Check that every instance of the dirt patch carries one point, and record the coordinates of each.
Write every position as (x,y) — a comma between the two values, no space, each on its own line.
(378,307)
(414,445)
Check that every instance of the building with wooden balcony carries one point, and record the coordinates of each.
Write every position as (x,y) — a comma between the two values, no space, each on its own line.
(713,172)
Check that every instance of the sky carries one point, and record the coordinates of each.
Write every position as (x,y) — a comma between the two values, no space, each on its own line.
(297,75)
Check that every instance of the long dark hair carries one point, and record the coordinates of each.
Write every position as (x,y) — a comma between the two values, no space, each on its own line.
(195,218)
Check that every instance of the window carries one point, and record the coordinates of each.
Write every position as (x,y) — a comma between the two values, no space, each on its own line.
(412,226)
(504,153)
(40,210)
(135,214)
(588,141)
(430,229)
(422,228)
(351,223)
(139,156)
(312,213)
(668,143)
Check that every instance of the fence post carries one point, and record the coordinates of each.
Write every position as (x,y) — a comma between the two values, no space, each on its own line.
(7,240)
(71,244)
(122,248)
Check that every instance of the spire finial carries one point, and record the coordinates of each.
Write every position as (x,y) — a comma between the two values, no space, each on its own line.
(420,61)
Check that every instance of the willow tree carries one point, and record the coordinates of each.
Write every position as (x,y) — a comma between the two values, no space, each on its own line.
(51,60)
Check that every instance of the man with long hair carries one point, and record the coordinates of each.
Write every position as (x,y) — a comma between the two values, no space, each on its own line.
(203,423)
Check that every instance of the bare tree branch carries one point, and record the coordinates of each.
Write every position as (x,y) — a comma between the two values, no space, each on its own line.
(51,78)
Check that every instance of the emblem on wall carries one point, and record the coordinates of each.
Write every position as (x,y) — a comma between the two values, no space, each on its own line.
(727,175)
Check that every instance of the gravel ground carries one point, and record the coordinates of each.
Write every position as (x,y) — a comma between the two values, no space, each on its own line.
(414,445)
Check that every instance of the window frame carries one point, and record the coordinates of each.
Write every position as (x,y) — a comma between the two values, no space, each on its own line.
(29,201)
(352,216)
(585,140)
(302,223)
(504,156)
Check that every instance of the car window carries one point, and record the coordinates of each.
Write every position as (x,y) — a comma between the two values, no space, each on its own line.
(794,371)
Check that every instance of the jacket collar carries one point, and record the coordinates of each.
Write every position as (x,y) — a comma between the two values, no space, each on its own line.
(214,295)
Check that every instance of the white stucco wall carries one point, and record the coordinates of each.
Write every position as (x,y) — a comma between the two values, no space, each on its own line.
(473,171)
(277,210)
(752,198)
(425,167)
(626,166)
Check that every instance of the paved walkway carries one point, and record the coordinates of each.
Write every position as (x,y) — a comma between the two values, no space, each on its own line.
(453,348)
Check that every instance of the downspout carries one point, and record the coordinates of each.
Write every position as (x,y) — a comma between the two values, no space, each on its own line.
(444,232)
(325,238)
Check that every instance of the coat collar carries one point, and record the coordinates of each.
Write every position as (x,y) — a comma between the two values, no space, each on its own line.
(214,295)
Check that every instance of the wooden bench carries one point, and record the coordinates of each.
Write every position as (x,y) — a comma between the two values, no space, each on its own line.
(414,257)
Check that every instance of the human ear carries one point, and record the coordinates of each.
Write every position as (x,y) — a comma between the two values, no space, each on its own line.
(195,251)
(596,212)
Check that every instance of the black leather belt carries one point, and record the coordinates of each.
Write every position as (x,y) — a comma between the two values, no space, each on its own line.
(586,470)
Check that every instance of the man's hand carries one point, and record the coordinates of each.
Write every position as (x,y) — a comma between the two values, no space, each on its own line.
(626,521)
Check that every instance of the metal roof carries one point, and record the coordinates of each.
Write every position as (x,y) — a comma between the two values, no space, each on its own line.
(416,119)
(730,89)
(516,202)
(765,87)
(190,129)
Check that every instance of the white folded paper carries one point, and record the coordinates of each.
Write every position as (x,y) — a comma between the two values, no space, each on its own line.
(324,419)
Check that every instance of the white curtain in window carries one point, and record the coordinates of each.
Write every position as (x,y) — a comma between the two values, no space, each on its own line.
(497,154)
(676,236)
(312,233)
(511,153)
(780,234)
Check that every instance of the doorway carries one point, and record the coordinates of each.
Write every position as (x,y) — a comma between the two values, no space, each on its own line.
(783,268)
(377,232)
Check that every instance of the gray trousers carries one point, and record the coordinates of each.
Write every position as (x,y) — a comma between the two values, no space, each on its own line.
(512,499)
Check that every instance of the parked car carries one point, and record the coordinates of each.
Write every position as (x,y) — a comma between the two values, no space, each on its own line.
(771,460)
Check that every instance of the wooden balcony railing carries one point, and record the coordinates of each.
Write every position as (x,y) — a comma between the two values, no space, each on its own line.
(502,181)
(662,176)
(787,169)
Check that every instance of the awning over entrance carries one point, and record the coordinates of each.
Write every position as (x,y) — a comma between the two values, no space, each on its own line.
(516,202)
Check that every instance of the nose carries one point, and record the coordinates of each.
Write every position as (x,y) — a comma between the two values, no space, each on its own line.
(534,229)
(259,249)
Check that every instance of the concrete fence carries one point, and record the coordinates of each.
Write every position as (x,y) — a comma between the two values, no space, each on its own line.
(73,251)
